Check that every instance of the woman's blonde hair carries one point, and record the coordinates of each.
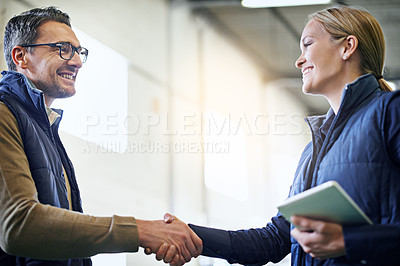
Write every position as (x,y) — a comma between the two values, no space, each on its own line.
(343,21)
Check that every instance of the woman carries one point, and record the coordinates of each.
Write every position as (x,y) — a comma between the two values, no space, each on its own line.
(357,143)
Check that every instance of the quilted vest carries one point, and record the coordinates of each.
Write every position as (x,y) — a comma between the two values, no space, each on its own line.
(353,153)
(44,150)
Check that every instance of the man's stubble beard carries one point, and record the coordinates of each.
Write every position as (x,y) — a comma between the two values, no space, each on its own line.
(54,91)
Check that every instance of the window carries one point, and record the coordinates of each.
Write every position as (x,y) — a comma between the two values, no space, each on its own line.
(97,112)
(225,172)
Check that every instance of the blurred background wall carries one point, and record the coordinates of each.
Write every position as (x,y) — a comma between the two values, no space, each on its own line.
(178,111)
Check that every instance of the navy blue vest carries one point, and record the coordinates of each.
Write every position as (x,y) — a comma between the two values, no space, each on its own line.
(45,153)
(352,151)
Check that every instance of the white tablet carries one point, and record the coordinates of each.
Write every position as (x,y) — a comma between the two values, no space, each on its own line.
(328,202)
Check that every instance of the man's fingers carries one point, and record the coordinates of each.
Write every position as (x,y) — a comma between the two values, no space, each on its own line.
(182,260)
(169,254)
(193,244)
(186,254)
(190,245)
(175,261)
(153,234)
(148,251)
(160,254)
(168,218)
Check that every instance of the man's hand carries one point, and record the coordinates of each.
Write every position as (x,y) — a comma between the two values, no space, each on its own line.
(321,239)
(174,242)
(167,251)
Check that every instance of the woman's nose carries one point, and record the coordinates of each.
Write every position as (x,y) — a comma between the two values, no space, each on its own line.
(300,61)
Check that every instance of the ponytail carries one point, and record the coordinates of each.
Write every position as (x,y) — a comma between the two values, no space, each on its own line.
(384,85)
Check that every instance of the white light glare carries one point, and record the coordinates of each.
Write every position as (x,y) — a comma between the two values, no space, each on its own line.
(392,85)
(278,3)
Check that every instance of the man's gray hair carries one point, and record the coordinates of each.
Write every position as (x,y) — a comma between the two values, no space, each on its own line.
(23,29)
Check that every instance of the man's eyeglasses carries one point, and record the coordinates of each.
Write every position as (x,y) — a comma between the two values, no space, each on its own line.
(67,50)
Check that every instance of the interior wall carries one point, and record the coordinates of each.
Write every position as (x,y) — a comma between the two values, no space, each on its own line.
(180,66)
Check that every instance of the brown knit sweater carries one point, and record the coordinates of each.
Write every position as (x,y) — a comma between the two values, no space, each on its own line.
(31,229)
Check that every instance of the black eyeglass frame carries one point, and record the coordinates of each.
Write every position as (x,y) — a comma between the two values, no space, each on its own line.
(59,45)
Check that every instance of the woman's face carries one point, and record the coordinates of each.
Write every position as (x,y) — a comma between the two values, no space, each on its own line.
(321,61)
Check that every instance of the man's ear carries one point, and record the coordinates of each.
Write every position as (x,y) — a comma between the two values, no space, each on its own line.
(19,56)
(349,47)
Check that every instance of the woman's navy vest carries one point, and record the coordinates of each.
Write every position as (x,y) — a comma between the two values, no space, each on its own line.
(353,153)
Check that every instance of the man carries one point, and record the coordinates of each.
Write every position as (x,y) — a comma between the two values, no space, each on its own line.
(41,220)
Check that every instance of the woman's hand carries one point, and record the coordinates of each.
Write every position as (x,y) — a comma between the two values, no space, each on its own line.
(320,239)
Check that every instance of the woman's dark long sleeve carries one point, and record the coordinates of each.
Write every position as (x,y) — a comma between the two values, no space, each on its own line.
(252,246)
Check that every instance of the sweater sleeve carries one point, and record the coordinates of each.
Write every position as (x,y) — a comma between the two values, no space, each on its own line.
(251,246)
(31,229)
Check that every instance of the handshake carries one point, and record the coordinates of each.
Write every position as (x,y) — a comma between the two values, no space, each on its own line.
(171,240)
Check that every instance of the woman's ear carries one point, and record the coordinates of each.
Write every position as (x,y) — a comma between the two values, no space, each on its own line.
(18,54)
(350,46)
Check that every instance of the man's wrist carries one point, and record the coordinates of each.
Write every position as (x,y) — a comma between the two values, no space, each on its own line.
(141,227)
